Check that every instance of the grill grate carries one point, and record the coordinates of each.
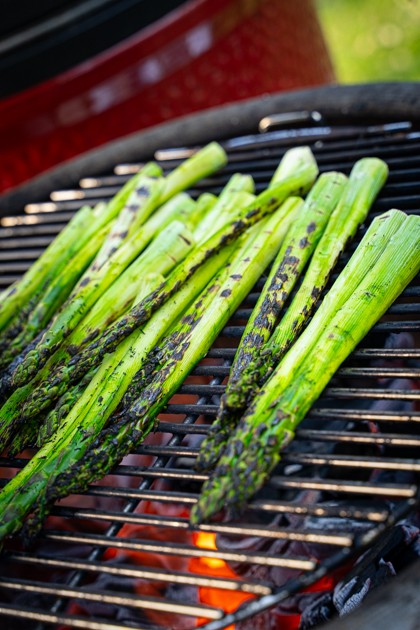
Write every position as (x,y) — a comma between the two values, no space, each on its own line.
(333,454)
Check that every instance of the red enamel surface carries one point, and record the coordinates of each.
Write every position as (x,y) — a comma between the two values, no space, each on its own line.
(205,53)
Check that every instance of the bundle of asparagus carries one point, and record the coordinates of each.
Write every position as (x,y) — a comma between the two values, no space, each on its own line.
(385,262)
(72,361)
(126,240)
(115,237)
(39,481)
(68,444)
(99,376)
(171,245)
(258,352)
(95,398)
(146,294)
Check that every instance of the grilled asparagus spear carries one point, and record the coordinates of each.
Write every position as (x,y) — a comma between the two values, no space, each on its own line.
(140,204)
(206,161)
(160,255)
(125,238)
(204,204)
(100,399)
(220,212)
(57,292)
(253,367)
(81,363)
(257,251)
(355,305)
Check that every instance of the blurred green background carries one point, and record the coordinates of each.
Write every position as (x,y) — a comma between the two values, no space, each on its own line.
(372,40)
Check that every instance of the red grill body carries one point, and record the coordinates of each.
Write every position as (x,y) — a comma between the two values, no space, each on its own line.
(203,54)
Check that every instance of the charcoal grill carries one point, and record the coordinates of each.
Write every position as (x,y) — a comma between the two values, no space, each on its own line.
(360,121)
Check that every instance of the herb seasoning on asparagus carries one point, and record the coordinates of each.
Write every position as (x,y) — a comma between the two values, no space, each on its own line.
(253,366)
(268,425)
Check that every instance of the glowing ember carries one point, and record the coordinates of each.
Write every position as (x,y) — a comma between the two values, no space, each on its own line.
(228,601)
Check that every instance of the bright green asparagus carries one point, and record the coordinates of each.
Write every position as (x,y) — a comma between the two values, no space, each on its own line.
(269,423)
(255,360)
(90,357)
(244,269)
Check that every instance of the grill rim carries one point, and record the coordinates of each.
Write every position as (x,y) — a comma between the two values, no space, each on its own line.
(394,101)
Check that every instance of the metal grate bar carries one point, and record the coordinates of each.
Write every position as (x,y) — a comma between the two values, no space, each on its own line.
(329,392)
(363,415)
(355,462)
(134,601)
(74,621)
(352,487)
(219,370)
(143,573)
(183,523)
(356,512)
(194,552)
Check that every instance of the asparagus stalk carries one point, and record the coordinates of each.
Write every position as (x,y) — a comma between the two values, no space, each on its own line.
(54,418)
(70,240)
(6,375)
(161,256)
(54,297)
(206,161)
(292,160)
(247,265)
(301,239)
(184,207)
(40,428)
(93,286)
(99,400)
(222,214)
(204,204)
(252,367)
(140,204)
(265,203)
(115,205)
(148,284)
(215,219)
(18,323)
(270,422)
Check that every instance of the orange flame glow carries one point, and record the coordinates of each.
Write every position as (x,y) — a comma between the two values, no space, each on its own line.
(228,601)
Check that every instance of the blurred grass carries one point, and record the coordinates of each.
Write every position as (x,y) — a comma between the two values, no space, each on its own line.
(372,40)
